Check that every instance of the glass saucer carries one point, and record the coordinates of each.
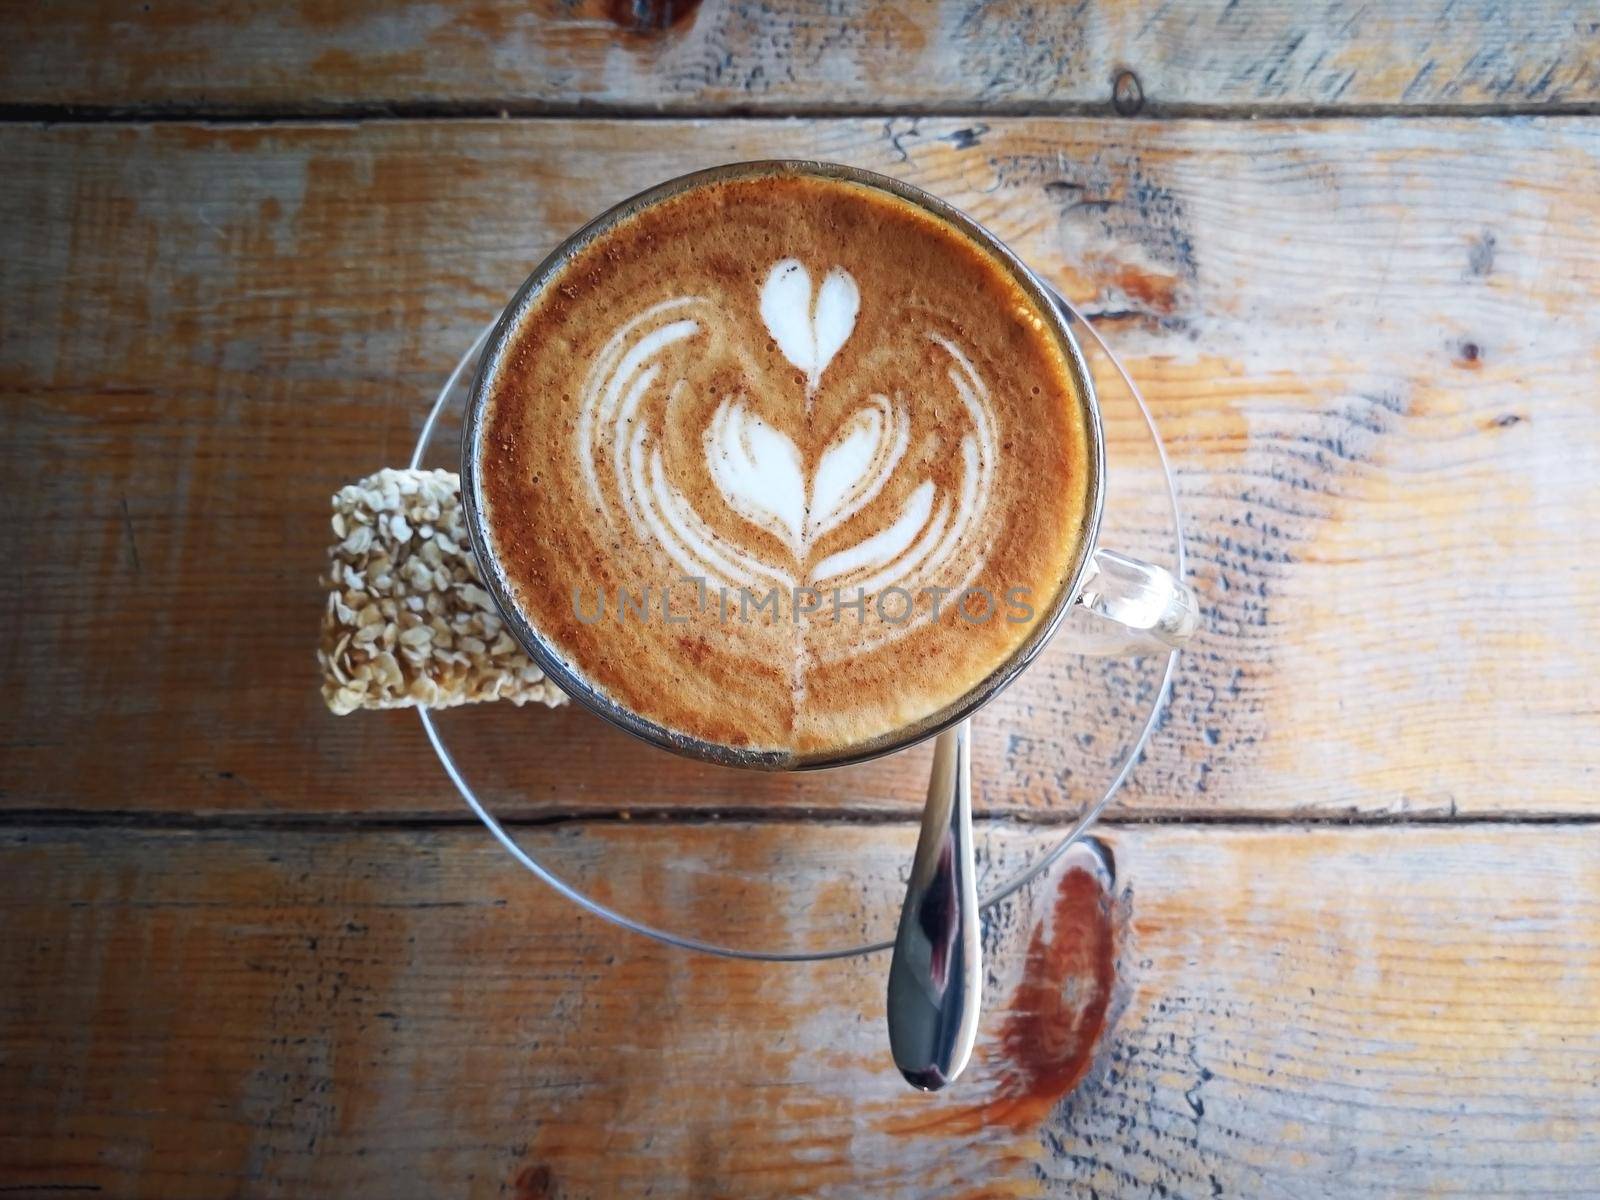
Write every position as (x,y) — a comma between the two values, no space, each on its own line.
(580,803)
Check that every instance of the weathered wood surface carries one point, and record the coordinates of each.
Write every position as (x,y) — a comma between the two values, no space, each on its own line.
(1372,347)
(666,55)
(1307,1013)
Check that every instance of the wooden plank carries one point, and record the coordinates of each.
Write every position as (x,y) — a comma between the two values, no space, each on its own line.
(1372,346)
(1298,1012)
(676,55)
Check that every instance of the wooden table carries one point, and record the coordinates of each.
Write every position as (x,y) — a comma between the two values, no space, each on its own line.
(1353,946)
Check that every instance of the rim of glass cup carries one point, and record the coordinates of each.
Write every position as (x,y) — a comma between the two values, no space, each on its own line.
(1086,818)
(572,680)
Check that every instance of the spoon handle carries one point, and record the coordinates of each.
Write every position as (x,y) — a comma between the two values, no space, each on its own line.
(935,979)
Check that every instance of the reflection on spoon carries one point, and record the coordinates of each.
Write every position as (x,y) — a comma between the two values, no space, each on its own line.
(936,976)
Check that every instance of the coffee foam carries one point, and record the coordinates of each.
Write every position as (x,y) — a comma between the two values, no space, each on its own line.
(793,384)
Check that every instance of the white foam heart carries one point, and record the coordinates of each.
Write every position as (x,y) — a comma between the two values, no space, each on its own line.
(856,465)
(809,333)
(759,473)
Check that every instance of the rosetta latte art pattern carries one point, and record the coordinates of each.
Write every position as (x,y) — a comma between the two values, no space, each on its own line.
(761,474)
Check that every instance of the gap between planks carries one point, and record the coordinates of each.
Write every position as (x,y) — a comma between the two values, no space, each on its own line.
(344,113)
(63,818)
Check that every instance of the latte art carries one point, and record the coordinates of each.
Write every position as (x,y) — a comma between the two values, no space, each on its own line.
(809,334)
(868,409)
(762,476)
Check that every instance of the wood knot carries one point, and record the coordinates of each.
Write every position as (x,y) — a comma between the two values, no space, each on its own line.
(1060,1009)
(533,1183)
(650,17)
(1127,94)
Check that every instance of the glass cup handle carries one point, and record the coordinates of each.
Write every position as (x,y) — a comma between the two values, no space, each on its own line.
(1129,607)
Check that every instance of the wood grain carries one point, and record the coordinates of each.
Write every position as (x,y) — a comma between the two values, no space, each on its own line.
(1372,347)
(878,55)
(1327,1012)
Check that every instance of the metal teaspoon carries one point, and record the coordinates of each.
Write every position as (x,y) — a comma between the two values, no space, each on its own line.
(936,976)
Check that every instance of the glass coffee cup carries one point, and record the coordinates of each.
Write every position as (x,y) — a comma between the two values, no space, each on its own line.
(1120,605)
(1132,606)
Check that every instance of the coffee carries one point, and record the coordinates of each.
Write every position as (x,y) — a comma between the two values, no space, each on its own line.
(783,462)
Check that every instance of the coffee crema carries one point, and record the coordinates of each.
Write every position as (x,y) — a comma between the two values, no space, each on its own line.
(784,463)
